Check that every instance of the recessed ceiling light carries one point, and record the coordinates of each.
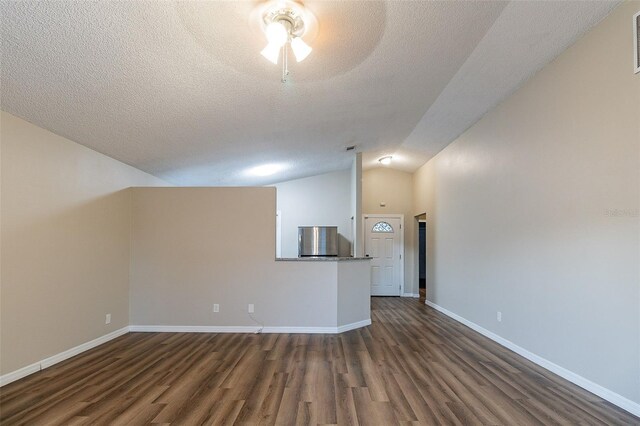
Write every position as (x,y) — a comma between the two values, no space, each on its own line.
(265,170)
(385,161)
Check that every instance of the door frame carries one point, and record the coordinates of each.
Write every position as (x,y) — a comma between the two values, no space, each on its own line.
(278,234)
(426,253)
(388,216)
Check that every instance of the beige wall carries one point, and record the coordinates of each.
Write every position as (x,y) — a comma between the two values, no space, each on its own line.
(65,243)
(193,247)
(534,212)
(395,189)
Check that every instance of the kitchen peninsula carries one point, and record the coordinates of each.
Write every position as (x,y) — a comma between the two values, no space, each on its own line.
(347,288)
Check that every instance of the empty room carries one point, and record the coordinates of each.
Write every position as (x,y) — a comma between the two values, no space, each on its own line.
(288,212)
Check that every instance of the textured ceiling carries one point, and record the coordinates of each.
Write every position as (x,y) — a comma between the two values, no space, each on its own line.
(178,89)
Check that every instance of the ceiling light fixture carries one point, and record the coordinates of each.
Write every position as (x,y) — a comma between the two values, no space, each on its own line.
(265,170)
(385,161)
(284,26)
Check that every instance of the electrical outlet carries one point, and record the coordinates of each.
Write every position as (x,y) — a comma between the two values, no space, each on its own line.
(499,316)
(251,308)
(107,319)
(216,307)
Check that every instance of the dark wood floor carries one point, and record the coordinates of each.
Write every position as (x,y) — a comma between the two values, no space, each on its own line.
(411,366)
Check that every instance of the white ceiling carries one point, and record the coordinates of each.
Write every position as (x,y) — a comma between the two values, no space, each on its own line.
(178,89)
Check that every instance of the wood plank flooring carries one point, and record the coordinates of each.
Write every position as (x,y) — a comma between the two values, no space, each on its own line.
(413,365)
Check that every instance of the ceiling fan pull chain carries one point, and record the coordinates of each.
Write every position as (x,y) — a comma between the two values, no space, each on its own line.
(284,66)
(285,63)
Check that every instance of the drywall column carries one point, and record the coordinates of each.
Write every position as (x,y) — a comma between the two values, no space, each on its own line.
(356,205)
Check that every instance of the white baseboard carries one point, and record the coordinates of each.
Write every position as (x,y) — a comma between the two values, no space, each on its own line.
(414,295)
(192,329)
(604,393)
(353,326)
(52,360)
(300,330)
(247,329)
(48,362)
(19,374)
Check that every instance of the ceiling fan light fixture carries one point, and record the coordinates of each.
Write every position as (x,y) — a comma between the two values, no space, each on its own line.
(300,49)
(276,34)
(271,52)
(283,24)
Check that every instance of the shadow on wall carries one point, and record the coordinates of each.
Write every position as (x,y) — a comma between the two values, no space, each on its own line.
(344,246)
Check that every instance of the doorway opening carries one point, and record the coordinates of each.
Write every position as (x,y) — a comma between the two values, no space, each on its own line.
(422,256)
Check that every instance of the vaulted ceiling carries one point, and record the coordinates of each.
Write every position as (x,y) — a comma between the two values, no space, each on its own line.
(179,89)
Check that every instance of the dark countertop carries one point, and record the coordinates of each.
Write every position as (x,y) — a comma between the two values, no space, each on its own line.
(321,259)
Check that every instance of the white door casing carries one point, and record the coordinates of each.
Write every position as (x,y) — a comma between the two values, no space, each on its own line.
(278,234)
(384,244)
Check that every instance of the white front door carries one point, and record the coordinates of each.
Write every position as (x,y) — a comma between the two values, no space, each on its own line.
(383,238)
